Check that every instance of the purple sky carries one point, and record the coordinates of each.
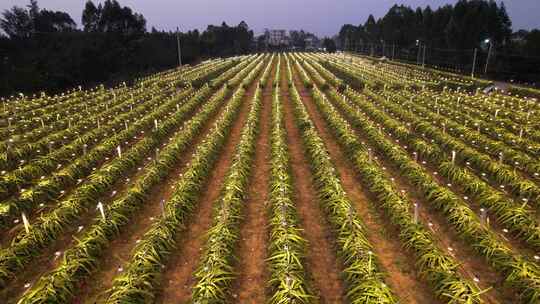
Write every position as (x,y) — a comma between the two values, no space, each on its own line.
(323,17)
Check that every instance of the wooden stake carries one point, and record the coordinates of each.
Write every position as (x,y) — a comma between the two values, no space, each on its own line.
(26,223)
(483,215)
(101,210)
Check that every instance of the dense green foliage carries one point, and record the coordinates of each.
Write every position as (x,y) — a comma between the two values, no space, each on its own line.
(450,33)
(45,51)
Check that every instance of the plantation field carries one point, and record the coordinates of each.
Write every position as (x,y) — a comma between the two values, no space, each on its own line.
(272,178)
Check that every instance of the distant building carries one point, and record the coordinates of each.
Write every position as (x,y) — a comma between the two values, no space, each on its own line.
(277,37)
(519,37)
(312,43)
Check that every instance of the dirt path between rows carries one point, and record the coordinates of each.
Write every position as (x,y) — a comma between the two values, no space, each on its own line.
(10,232)
(178,275)
(472,265)
(402,276)
(321,261)
(121,248)
(47,260)
(51,256)
(514,242)
(250,284)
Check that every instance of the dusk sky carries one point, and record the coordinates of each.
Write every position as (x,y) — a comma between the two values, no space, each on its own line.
(323,17)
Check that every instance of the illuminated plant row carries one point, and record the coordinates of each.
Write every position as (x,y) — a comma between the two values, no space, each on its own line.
(227,75)
(254,66)
(47,164)
(518,271)
(348,74)
(50,226)
(83,259)
(216,267)
(306,80)
(512,110)
(364,279)
(277,76)
(48,127)
(330,77)
(20,149)
(27,107)
(29,123)
(52,186)
(310,70)
(490,123)
(141,276)
(436,266)
(125,101)
(267,72)
(290,79)
(496,171)
(286,262)
(481,142)
(17,155)
(206,73)
(139,282)
(513,216)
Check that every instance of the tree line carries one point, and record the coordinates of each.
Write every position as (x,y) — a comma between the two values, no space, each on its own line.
(463,27)
(43,50)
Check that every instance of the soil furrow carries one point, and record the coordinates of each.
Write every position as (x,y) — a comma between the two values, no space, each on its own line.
(322,264)
(178,274)
(51,256)
(472,265)
(121,248)
(249,287)
(402,275)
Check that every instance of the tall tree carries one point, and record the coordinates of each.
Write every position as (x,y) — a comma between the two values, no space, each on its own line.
(22,23)
(90,17)
(112,18)
(16,23)
(372,28)
(329,45)
(50,22)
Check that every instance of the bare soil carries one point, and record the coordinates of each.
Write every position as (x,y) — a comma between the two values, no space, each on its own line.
(402,276)
(8,233)
(322,264)
(95,289)
(472,265)
(47,261)
(178,277)
(250,284)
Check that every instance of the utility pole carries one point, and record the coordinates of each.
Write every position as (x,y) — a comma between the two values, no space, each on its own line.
(179,50)
(488,55)
(424,57)
(474,62)
(418,54)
